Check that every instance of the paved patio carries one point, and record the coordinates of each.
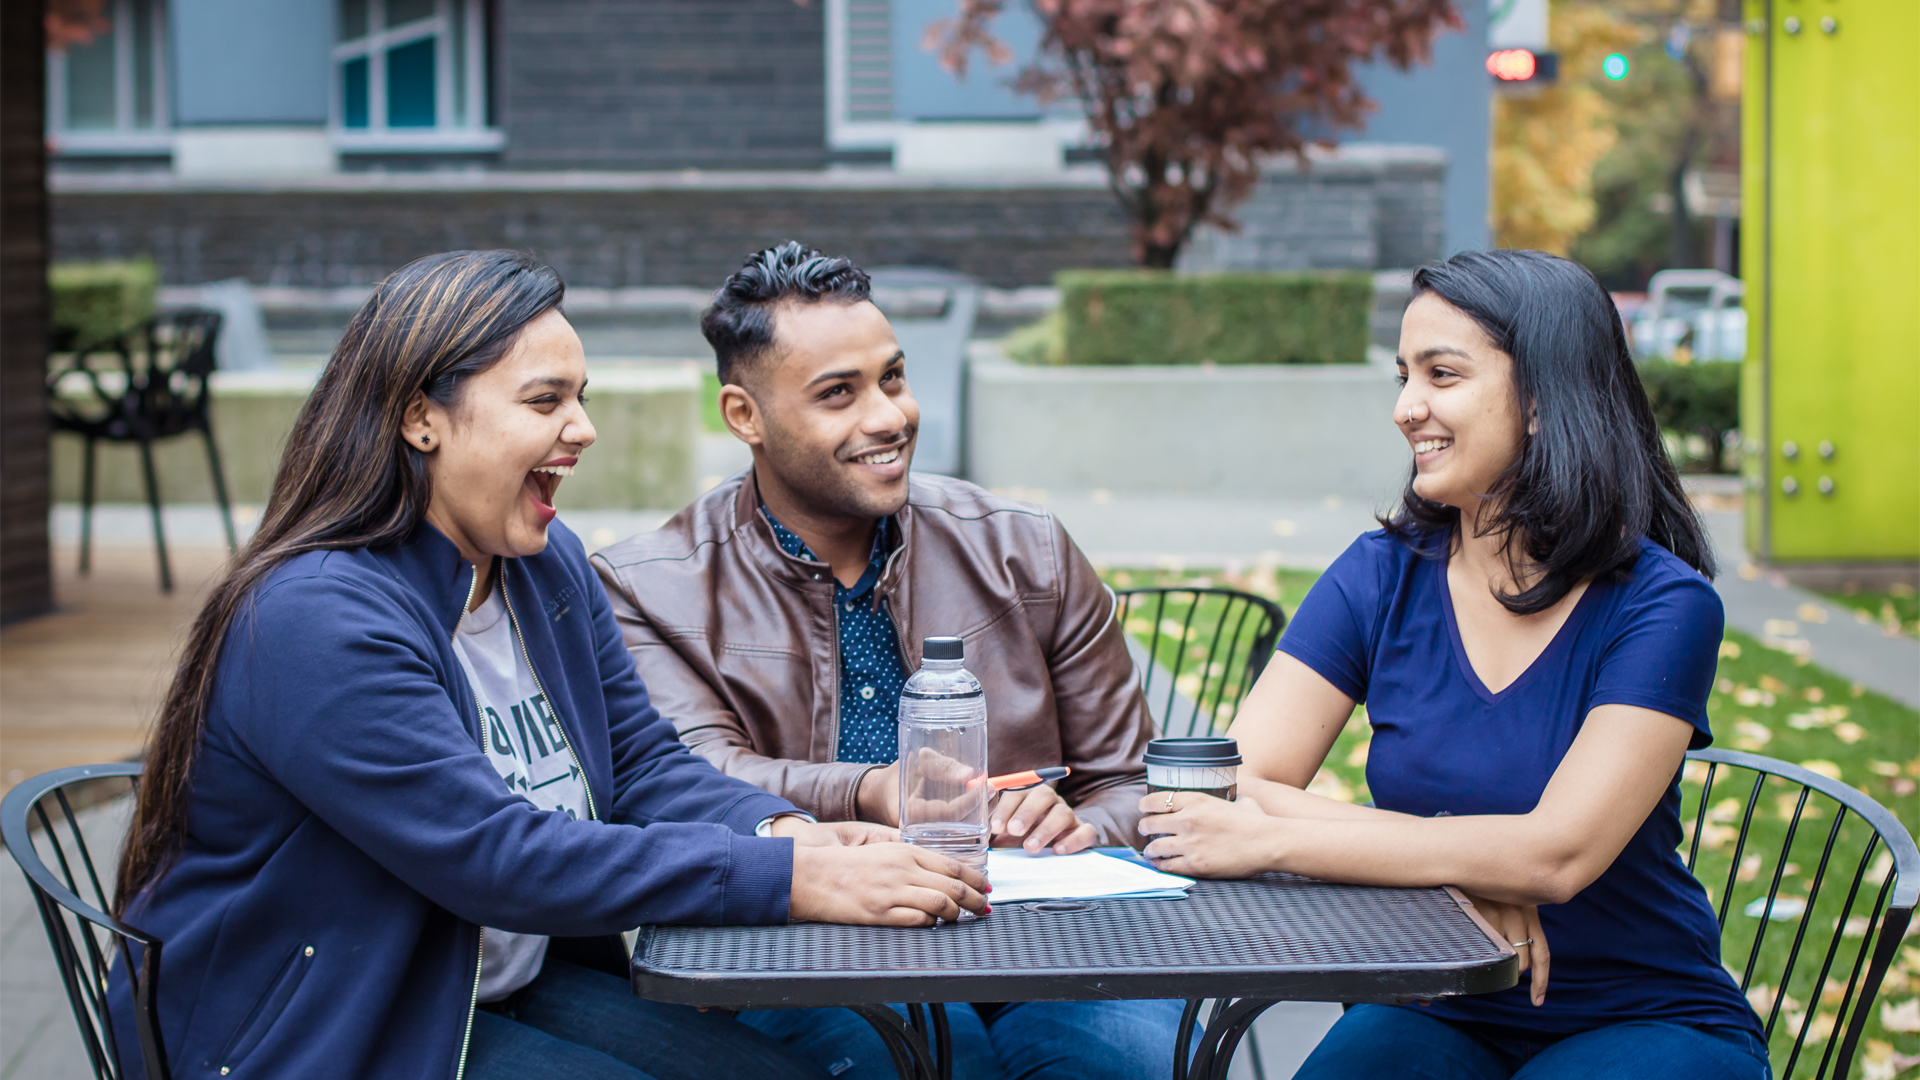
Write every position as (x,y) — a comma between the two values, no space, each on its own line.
(80,685)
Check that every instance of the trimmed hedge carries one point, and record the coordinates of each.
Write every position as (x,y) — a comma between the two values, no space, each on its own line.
(93,302)
(1695,399)
(1159,317)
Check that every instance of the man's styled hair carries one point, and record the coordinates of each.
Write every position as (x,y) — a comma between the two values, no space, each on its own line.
(739,322)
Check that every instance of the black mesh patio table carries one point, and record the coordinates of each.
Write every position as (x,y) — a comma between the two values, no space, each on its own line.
(1244,944)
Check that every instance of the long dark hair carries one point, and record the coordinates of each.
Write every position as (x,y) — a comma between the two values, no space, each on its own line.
(1594,478)
(347,480)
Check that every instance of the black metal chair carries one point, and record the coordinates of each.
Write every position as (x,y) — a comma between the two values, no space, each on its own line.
(1199,651)
(87,942)
(1878,912)
(148,384)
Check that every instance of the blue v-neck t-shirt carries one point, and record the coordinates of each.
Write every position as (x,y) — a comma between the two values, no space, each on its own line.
(1641,942)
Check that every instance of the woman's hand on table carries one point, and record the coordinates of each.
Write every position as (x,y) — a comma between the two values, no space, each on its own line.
(1202,836)
(806,833)
(879,884)
(1036,817)
(1520,925)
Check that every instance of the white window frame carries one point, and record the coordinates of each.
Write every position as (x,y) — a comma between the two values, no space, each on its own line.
(843,132)
(449,134)
(123,137)
(846,133)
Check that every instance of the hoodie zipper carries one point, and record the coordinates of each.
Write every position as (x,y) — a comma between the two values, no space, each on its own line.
(480,949)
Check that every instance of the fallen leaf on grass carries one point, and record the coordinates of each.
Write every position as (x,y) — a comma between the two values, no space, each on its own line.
(1825,768)
(1903,1018)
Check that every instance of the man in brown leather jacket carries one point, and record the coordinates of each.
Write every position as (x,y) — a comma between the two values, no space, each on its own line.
(776,619)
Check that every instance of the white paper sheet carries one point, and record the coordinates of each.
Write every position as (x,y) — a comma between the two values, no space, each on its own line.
(1089,875)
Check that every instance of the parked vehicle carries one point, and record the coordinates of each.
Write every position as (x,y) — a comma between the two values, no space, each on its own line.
(1720,329)
(1695,310)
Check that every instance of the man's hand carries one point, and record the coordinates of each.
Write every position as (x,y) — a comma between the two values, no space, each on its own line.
(882,885)
(878,797)
(1207,837)
(1520,925)
(831,833)
(1042,817)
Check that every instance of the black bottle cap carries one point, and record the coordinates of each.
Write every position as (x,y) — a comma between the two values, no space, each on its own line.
(943,648)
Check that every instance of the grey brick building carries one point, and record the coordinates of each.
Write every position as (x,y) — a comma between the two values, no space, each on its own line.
(638,143)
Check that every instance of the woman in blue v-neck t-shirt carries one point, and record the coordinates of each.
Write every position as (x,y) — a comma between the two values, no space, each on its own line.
(1534,636)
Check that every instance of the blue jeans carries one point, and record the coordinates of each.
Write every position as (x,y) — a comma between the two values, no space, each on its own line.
(1389,1041)
(1094,1040)
(570,1023)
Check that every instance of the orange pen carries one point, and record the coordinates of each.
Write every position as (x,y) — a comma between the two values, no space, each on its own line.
(1015,781)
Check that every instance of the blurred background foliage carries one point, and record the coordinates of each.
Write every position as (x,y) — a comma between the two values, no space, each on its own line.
(1594,168)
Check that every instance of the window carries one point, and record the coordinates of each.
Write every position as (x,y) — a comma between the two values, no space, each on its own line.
(109,94)
(859,73)
(411,73)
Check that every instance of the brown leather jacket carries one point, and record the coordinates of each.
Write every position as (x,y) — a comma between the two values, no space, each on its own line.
(739,644)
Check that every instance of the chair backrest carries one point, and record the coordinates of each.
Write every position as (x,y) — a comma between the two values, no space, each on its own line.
(43,834)
(1751,852)
(173,358)
(150,382)
(1199,651)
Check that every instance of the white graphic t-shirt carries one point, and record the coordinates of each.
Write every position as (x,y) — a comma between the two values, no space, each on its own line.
(527,747)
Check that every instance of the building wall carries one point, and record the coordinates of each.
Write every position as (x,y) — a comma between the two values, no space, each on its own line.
(26,570)
(1360,207)
(625,230)
(691,235)
(665,84)
(1447,103)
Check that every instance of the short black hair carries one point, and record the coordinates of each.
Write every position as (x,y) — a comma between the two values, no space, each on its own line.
(739,322)
(1594,478)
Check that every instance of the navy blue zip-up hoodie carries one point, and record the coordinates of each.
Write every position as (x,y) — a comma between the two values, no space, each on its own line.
(349,837)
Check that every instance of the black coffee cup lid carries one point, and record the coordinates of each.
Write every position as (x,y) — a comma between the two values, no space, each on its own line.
(1195,753)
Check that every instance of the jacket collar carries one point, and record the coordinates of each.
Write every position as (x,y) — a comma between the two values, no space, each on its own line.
(430,564)
(750,528)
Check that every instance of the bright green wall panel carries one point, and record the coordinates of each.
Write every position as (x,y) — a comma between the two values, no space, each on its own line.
(1840,272)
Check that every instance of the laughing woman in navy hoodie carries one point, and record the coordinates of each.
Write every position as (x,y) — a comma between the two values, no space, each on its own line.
(406,786)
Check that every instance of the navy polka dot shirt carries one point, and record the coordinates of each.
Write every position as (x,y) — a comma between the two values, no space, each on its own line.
(871,671)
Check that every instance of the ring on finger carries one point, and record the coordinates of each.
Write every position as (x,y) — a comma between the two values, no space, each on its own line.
(1169,808)
(1521,944)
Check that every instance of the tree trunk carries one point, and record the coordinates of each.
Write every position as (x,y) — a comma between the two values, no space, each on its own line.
(1158,256)
(1680,246)
(26,576)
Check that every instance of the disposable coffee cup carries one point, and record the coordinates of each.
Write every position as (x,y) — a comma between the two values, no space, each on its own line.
(1210,766)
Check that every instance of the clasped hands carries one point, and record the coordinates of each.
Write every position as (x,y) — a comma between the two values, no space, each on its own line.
(1203,836)
(858,872)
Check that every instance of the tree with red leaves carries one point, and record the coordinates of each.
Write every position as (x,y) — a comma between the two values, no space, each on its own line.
(75,22)
(1187,97)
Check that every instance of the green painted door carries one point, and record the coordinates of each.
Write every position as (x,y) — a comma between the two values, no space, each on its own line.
(1831,257)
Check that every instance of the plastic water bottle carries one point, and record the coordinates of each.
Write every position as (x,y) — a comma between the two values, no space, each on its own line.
(943,756)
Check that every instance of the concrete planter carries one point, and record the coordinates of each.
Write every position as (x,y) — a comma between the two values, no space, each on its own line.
(1248,431)
(647,417)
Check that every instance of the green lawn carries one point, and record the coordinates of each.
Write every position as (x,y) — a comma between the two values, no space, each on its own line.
(1767,702)
(1896,609)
